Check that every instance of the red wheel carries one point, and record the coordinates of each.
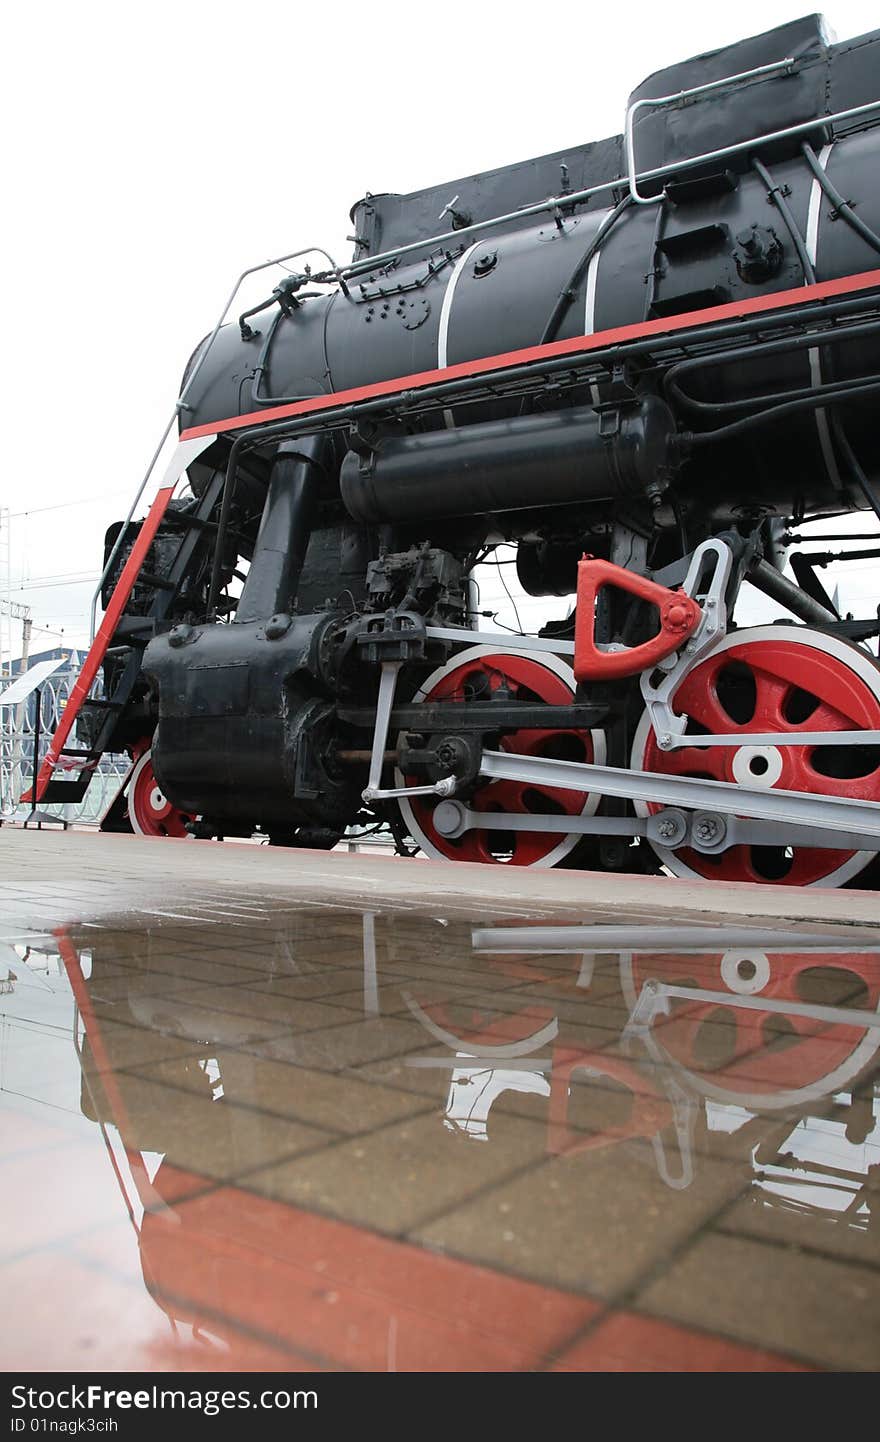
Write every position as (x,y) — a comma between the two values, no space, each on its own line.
(149,810)
(773,1058)
(476,673)
(774,678)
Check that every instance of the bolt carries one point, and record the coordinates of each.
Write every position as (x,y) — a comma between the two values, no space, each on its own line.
(666,829)
(707,829)
(665,740)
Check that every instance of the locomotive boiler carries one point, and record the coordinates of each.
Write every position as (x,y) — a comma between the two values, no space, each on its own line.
(644,363)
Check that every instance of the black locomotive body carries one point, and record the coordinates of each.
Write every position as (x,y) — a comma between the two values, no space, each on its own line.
(679,349)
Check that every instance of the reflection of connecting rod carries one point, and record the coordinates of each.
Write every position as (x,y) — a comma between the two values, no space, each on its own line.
(655,997)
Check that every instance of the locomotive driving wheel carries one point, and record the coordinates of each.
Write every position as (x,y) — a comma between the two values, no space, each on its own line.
(149,810)
(765,1058)
(486,673)
(773,679)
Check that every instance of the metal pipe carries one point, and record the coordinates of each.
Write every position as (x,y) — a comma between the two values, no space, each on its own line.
(566,295)
(661,100)
(761,349)
(841,206)
(285,530)
(776,195)
(821,396)
(779,588)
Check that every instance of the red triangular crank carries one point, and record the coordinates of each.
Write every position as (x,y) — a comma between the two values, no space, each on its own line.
(679,618)
(118,602)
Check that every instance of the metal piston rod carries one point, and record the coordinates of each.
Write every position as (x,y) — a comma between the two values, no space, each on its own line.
(705,831)
(788,808)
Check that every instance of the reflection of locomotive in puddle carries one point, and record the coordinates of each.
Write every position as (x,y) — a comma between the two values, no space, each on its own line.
(609,1034)
(675,1048)
(723,1028)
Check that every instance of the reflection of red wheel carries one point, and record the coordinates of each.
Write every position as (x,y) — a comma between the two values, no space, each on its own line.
(481,673)
(149,810)
(774,679)
(774,1058)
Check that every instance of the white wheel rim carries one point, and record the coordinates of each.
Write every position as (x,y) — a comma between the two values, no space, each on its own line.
(550,663)
(858,662)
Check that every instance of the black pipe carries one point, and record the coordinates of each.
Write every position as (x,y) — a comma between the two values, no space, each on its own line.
(852,461)
(772,583)
(776,196)
(761,350)
(569,290)
(283,537)
(841,206)
(262,367)
(822,396)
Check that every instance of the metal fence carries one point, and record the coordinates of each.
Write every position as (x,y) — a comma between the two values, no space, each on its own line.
(17,728)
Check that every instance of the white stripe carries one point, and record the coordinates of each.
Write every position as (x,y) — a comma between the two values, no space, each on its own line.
(815,210)
(590,309)
(811,240)
(445,313)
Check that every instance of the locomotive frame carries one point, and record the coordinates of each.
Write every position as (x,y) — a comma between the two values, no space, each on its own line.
(676,454)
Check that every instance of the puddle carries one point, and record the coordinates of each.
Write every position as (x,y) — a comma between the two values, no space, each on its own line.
(383,1141)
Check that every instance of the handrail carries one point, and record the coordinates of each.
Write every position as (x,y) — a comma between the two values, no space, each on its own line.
(628,137)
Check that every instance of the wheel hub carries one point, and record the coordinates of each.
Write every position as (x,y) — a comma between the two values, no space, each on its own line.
(484,671)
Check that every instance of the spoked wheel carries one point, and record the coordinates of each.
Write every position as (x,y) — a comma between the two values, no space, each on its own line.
(149,810)
(781,679)
(480,673)
(770,1058)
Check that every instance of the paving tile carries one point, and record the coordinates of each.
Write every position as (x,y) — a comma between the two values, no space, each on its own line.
(626,1342)
(319,1098)
(851,1236)
(273,1007)
(815,1308)
(595,1220)
(397,1176)
(366,1301)
(341,1047)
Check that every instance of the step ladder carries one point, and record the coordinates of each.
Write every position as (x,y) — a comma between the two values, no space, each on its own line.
(125,633)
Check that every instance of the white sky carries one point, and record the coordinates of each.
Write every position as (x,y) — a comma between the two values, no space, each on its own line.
(153,151)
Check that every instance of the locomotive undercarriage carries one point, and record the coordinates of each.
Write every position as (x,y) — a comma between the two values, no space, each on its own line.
(401,712)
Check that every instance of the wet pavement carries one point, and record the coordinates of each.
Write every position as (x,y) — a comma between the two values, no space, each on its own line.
(249,1131)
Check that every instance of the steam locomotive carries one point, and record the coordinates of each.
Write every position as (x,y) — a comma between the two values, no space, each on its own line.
(643,363)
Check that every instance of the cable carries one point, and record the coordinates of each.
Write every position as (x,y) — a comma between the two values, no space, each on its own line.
(63,505)
(496,562)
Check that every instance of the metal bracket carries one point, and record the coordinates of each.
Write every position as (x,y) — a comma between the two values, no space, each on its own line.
(667,725)
(373,790)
